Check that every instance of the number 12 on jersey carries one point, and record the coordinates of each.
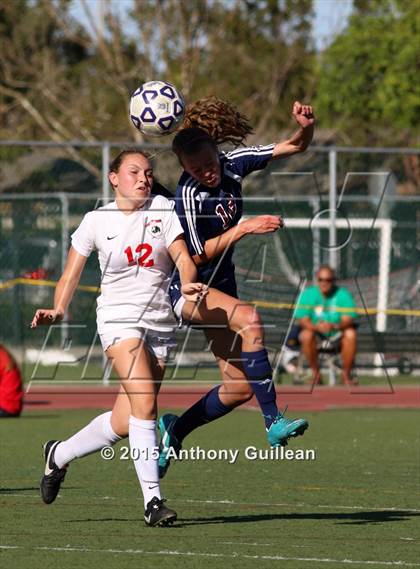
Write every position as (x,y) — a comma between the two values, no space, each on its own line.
(144,251)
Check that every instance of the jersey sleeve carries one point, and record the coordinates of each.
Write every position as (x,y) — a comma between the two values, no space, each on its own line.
(83,238)
(304,307)
(172,227)
(243,161)
(188,207)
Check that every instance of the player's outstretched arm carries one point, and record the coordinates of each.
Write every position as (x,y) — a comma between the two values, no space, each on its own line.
(190,289)
(255,225)
(63,292)
(299,142)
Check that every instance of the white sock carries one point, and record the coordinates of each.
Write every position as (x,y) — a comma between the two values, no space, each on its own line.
(143,444)
(96,435)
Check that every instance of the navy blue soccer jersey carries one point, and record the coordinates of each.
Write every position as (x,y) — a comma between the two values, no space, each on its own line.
(207,212)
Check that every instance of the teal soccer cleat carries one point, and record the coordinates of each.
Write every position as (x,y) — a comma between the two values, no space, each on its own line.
(168,442)
(282,429)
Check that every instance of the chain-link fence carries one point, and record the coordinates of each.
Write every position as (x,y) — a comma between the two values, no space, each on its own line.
(46,189)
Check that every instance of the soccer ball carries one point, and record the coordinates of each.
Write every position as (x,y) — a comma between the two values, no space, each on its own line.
(157,108)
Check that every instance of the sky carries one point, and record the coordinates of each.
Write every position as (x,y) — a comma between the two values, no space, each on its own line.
(330,19)
(330,16)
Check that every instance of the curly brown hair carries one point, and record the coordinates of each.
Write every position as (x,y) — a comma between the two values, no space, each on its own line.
(221,120)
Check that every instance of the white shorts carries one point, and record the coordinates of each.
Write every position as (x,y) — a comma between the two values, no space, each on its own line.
(178,308)
(158,343)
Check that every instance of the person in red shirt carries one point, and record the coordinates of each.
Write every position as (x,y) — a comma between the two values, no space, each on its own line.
(11,391)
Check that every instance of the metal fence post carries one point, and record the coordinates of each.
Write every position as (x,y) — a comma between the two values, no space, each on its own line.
(105,166)
(65,239)
(16,272)
(316,243)
(332,240)
(105,199)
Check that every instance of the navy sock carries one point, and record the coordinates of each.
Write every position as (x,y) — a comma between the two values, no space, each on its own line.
(207,409)
(259,373)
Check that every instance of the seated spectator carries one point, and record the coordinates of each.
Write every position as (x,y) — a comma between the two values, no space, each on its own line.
(11,391)
(325,315)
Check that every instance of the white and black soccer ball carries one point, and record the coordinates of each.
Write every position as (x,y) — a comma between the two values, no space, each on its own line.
(157,108)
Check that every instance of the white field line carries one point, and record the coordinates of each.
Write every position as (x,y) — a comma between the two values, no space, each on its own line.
(257,504)
(259,544)
(217,555)
(299,505)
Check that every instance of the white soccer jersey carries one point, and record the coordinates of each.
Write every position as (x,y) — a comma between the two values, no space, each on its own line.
(135,264)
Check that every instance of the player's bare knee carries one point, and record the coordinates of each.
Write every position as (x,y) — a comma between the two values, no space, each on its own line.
(250,325)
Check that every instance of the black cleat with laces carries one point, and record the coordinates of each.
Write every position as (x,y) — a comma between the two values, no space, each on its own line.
(53,476)
(157,514)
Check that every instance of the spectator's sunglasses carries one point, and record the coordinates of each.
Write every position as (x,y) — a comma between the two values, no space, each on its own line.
(329,280)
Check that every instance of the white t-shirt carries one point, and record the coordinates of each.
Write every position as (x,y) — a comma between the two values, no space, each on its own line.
(135,264)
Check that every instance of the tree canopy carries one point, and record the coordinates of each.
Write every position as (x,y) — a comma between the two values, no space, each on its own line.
(369,89)
(64,80)
(60,81)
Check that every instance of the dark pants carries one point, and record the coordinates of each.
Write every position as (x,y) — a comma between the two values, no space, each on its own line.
(4,414)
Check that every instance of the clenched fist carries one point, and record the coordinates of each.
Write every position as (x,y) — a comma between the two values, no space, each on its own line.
(303,114)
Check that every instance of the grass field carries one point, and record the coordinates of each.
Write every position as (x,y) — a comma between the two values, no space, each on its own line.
(356,504)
